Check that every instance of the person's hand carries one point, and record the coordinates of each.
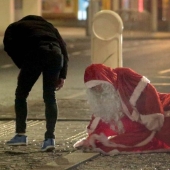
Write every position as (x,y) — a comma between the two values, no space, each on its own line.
(60,83)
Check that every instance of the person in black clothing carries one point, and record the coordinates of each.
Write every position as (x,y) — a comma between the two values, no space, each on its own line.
(36,47)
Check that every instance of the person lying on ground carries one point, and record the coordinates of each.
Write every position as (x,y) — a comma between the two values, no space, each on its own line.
(128,114)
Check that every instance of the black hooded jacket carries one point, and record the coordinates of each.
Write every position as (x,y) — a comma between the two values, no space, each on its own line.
(27,34)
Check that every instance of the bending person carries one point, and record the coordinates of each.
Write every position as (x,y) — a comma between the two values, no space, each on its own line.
(36,47)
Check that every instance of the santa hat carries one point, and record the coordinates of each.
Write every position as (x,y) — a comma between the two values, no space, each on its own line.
(140,100)
(98,73)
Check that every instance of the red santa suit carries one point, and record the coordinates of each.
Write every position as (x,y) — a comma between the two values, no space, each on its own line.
(139,119)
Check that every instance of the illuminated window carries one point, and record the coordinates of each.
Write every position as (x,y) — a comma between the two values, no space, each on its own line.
(140,5)
(82,9)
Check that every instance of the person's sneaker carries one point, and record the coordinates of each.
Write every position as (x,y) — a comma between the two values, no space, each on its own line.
(18,140)
(48,145)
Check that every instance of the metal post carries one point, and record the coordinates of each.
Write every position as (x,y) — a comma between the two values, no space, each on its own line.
(154,6)
(94,7)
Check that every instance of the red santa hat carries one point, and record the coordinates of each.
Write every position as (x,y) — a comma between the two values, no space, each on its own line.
(140,100)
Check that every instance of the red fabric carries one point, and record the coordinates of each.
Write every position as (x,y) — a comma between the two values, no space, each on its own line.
(149,102)
(152,146)
(165,100)
(134,134)
(106,73)
(125,80)
(164,133)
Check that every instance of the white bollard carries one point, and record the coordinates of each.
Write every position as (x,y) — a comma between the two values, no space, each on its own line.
(6,14)
(106,39)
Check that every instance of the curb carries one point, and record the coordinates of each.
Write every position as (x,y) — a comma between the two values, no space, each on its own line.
(71,161)
(84,157)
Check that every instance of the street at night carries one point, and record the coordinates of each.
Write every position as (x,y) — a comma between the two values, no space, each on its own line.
(149,57)
(110,109)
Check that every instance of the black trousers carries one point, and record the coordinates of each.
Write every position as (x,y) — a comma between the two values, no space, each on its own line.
(48,60)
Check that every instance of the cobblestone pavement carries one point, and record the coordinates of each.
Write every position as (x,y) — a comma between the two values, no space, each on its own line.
(68,131)
(153,161)
(30,157)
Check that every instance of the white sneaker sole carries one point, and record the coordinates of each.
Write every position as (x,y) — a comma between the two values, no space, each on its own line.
(48,149)
(16,144)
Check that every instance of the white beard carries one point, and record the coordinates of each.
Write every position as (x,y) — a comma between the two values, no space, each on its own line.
(106,105)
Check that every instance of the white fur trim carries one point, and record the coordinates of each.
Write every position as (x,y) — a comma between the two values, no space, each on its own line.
(138,90)
(79,143)
(125,109)
(106,142)
(135,115)
(152,121)
(92,83)
(93,125)
(147,140)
